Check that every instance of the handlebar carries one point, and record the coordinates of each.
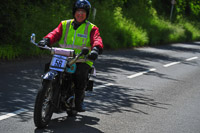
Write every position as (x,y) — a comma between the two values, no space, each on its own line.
(62,51)
(33,41)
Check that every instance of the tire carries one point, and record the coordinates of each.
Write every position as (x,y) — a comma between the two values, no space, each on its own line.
(72,113)
(43,109)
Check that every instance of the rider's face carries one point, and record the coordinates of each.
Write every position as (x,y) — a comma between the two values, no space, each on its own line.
(80,15)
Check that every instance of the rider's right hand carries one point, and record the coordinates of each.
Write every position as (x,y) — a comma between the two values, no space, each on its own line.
(44,42)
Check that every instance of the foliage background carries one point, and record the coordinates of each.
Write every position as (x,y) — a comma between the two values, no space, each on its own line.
(122,23)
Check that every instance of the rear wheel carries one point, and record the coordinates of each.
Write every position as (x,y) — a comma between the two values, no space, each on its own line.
(43,109)
(72,113)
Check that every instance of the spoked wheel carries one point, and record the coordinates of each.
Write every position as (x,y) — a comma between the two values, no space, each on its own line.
(43,109)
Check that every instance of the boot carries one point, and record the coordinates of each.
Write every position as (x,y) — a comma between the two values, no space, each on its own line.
(79,97)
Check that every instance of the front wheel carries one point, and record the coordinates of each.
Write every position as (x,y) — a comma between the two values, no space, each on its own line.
(43,109)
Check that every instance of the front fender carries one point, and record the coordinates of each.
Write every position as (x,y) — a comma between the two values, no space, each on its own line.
(50,75)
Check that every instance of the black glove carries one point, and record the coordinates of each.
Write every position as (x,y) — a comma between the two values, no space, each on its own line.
(93,55)
(44,41)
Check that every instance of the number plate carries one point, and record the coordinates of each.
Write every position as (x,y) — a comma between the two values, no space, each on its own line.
(58,63)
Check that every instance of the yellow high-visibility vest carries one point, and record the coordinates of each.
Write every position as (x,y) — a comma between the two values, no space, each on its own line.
(76,39)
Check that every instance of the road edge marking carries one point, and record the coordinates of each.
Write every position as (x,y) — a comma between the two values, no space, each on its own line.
(102,86)
(141,73)
(171,64)
(8,115)
(192,58)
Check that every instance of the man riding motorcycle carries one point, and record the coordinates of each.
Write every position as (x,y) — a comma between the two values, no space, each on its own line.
(75,34)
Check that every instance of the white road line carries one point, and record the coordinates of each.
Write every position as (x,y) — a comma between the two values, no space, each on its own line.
(153,69)
(171,64)
(102,86)
(90,94)
(192,58)
(12,114)
(141,73)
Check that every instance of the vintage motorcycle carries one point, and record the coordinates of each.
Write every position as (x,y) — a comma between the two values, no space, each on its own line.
(57,92)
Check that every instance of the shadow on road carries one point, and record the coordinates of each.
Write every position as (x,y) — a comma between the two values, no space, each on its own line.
(20,82)
(121,99)
(192,47)
(113,99)
(78,124)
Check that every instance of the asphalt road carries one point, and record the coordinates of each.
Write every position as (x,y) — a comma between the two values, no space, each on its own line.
(143,90)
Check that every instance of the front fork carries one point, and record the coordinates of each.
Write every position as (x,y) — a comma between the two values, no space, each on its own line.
(56,79)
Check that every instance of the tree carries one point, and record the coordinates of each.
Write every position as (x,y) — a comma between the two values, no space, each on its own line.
(188,8)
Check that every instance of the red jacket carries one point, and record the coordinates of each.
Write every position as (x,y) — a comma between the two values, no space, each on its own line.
(95,38)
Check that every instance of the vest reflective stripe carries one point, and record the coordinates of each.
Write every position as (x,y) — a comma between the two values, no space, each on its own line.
(86,32)
(67,29)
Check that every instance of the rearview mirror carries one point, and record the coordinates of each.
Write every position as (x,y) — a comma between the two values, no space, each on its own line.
(33,37)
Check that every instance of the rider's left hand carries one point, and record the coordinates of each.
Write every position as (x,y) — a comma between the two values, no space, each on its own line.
(93,55)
